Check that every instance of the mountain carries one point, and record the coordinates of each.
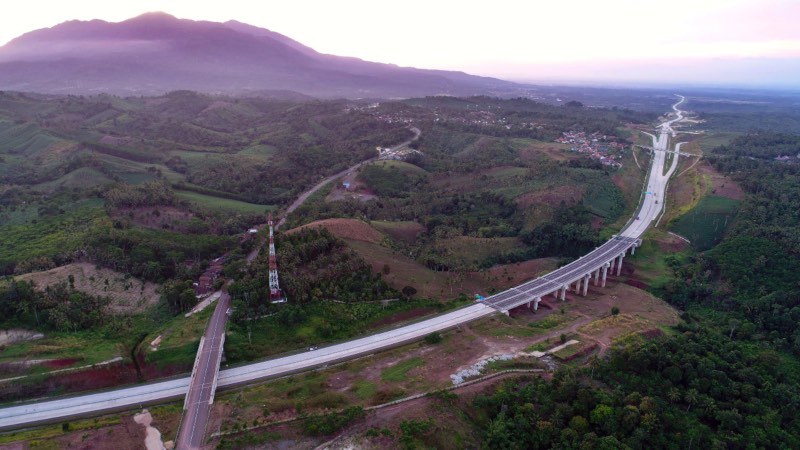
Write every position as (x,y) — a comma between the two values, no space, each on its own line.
(155,52)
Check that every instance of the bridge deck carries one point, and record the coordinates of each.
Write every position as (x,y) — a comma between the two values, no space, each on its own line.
(562,276)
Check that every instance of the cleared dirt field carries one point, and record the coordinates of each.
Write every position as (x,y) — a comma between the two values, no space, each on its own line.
(357,190)
(720,184)
(128,294)
(530,150)
(348,229)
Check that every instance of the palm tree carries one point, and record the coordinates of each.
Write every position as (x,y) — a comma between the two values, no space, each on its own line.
(691,397)
(674,395)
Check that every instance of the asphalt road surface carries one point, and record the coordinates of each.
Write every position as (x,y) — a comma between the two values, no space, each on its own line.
(199,397)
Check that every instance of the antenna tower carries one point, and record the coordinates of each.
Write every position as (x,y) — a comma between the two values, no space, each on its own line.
(275,293)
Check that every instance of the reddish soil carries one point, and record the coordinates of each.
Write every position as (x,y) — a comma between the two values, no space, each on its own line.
(569,194)
(533,153)
(93,378)
(126,434)
(651,333)
(346,229)
(720,184)
(60,363)
(637,284)
(671,244)
(509,275)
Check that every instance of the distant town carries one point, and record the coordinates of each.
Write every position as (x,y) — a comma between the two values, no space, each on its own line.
(598,146)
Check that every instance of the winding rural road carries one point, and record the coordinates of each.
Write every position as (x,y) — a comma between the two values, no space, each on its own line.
(304,196)
(158,392)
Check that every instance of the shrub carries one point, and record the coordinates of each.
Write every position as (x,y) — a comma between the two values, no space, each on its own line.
(433,338)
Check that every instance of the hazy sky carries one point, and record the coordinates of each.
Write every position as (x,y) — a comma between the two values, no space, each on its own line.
(696,41)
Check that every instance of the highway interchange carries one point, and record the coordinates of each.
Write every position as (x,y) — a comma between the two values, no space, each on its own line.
(603,258)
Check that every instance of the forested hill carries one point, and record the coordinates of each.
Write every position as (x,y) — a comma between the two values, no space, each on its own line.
(753,273)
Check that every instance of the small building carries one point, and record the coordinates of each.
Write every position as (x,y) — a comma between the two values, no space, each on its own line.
(346,185)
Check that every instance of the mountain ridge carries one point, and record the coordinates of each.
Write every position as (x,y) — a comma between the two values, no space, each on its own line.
(156,52)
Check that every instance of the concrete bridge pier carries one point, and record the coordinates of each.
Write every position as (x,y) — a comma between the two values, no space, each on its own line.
(563,292)
(633,249)
(605,272)
(611,265)
(597,276)
(586,283)
(619,266)
(578,285)
(536,303)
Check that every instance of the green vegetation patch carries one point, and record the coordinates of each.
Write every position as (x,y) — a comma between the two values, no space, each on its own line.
(604,199)
(50,235)
(705,225)
(86,347)
(364,389)
(223,204)
(399,371)
(50,432)
(264,151)
(551,321)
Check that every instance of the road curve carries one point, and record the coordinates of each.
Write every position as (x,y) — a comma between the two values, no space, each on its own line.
(304,196)
(126,398)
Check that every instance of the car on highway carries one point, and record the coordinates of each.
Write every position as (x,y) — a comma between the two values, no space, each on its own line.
(637,217)
(311,349)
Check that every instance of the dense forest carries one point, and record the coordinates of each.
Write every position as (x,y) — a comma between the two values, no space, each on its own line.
(698,389)
(752,274)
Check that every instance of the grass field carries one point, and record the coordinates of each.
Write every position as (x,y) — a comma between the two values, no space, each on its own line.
(264,151)
(82,178)
(473,250)
(86,347)
(399,371)
(706,223)
(604,199)
(402,167)
(223,204)
(49,235)
(711,141)
(405,231)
